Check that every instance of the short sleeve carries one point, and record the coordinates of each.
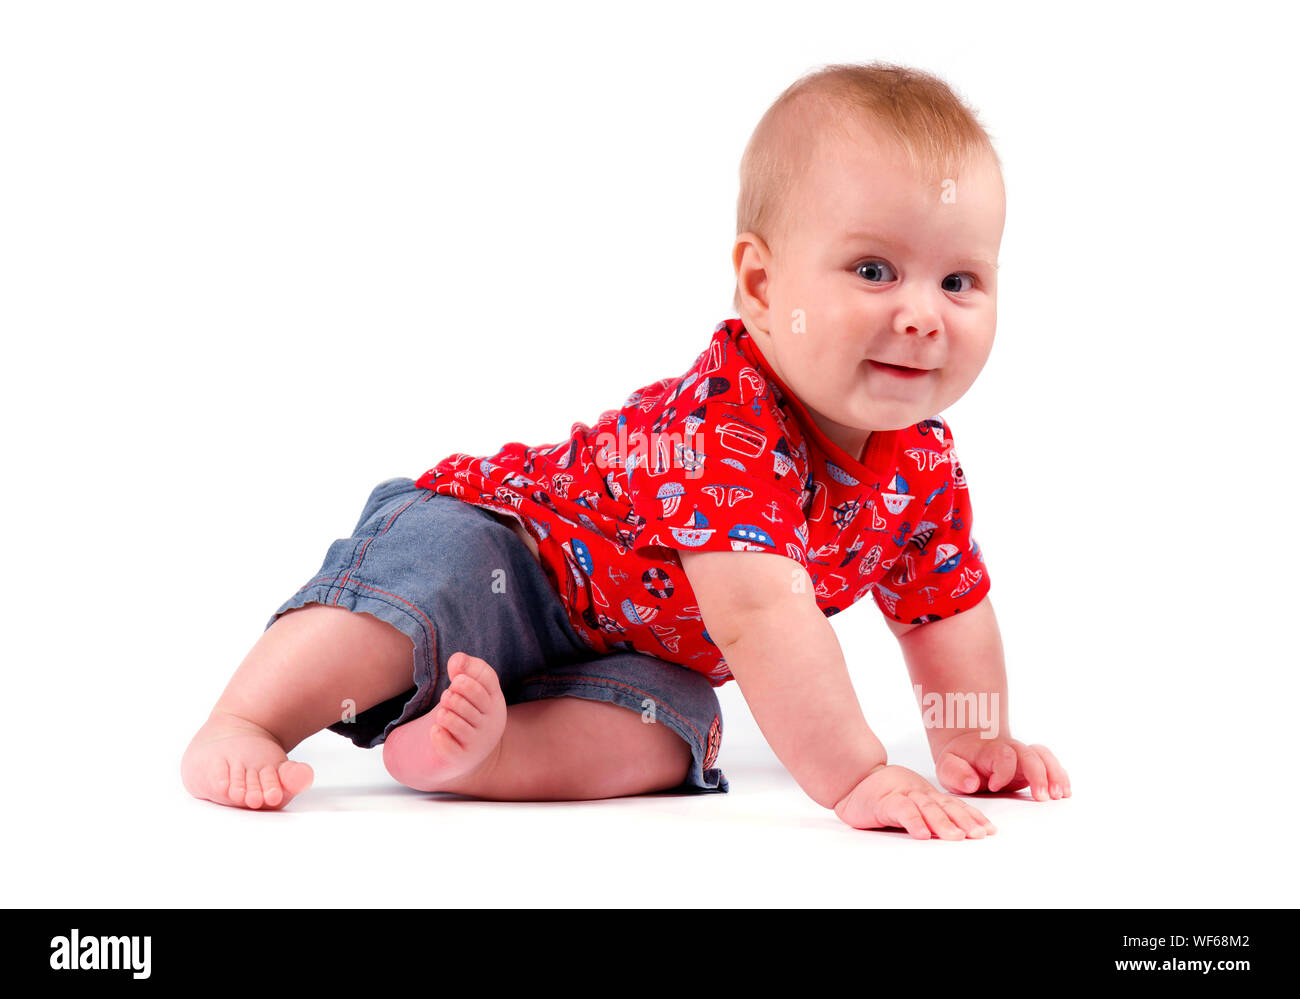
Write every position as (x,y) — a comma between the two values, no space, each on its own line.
(940,571)
(717,477)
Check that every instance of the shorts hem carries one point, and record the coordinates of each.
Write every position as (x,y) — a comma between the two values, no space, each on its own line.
(369,728)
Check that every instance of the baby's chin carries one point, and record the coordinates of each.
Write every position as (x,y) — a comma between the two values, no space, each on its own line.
(851,429)
(865,411)
(881,415)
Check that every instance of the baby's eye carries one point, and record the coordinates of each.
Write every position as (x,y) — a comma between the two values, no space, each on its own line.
(875,267)
(969,277)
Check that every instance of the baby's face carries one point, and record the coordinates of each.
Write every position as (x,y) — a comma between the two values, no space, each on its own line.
(881,267)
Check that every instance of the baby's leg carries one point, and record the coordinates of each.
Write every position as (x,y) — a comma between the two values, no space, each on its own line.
(559,749)
(291,685)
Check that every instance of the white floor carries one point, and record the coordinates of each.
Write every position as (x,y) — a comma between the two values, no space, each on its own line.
(100,819)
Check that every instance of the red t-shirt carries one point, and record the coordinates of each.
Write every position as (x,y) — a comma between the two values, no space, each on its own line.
(726,458)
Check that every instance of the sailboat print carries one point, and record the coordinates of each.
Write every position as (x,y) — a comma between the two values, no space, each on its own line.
(697,533)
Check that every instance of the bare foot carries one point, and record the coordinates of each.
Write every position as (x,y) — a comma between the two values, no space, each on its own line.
(451,746)
(232,761)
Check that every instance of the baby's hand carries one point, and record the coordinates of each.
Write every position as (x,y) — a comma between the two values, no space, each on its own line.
(895,797)
(969,764)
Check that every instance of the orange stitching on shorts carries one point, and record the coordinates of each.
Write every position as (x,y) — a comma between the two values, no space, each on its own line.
(600,679)
(362,554)
(433,631)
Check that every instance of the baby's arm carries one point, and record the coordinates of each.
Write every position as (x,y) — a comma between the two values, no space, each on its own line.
(960,658)
(761,612)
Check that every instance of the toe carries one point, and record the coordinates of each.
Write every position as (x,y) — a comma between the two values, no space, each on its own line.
(443,741)
(455,723)
(271,791)
(237,784)
(477,669)
(459,704)
(295,777)
(253,796)
(219,781)
(472,691)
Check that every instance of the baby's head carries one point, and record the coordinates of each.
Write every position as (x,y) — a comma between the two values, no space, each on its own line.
(868,227)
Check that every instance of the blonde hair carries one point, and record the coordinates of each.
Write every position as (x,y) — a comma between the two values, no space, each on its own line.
(916,111)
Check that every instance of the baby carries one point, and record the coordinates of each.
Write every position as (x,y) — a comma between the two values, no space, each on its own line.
(550,622)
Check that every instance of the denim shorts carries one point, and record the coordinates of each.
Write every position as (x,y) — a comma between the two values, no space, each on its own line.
(452,577)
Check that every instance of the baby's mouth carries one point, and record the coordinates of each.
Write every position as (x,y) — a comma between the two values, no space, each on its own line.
(898,370)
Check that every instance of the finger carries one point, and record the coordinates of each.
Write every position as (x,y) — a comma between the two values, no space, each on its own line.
(957,775)
(977,815)
(1035,771)
(936,818)
(964,817)
(1002,766)
(1056,774)
(901,811)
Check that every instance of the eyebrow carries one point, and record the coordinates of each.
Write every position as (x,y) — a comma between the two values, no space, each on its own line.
(875,237)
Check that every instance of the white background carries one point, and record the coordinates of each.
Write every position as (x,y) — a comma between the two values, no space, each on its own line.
(256,257)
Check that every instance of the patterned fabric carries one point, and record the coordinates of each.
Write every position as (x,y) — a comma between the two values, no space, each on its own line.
(726,458)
